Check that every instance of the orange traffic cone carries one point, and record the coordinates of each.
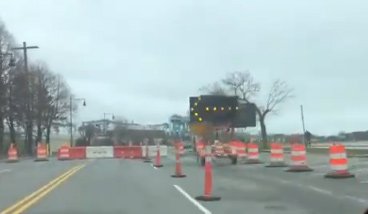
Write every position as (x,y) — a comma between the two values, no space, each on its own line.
(147,158)
(207,196)
(277,156)
(338,162)
(12,154)
(178,167)
(298,159)
(41,152)
(63,153)
(158,158)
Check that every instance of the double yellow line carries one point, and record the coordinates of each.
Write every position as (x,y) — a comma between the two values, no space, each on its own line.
(33,198)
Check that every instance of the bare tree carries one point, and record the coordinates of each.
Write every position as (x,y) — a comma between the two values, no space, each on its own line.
(278,94)
(12,112)
(242,85)
(87,133)
(213,89)
(6,40)
(58,104)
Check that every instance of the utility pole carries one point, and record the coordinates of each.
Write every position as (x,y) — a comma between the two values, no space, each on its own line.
(302,115)
(29,124)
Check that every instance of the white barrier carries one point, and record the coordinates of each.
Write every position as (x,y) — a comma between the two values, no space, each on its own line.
(99,152)
(359,145)
(152,150)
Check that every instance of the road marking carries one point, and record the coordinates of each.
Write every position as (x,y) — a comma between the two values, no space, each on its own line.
(323,191)
(196,203)
(360,200)
(34,197)
(5,170)
(154,166)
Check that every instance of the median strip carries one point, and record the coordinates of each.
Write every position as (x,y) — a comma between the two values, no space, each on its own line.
(31,199)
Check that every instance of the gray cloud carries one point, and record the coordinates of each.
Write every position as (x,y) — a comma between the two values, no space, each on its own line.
(143,59)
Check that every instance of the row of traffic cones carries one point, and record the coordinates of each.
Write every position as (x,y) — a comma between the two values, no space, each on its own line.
(338,162)
(207,196)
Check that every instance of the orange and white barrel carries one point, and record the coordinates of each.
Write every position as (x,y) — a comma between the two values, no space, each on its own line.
(253,153)
(276,155)
(338,162)
(63,153)
(41,152)
(12,154)
(219,149)
(298,159)
(239,148)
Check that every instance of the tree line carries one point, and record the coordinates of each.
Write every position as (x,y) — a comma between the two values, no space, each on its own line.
(33,101)
(243,85)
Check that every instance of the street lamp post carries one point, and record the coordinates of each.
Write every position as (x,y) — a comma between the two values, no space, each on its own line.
(71,115)
(104,120)
(28,110)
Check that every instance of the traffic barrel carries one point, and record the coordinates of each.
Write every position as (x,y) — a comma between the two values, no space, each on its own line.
(63,153)
(277,156)
(207,196)
(41,152)
(178,166)
(12,154)
(146,156)
(298,159)
(158,157)
(238,149)
(253,154)
(338,162)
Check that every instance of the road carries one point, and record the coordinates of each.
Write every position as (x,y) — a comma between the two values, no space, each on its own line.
(131,186)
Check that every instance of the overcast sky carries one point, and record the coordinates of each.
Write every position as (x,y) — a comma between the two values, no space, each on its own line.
(143,59)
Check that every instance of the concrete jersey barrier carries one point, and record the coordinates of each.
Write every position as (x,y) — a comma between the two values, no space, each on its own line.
(152,150)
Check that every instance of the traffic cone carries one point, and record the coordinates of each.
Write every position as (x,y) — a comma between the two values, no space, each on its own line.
(207,196)
(147,158)
(12,154)
(178,167)
(338,162)
(253,154)
(158,158)
(63,153)
(41,152)
(298,159)
(277,156)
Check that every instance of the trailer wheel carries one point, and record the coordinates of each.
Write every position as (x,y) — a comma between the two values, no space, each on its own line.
(234,160)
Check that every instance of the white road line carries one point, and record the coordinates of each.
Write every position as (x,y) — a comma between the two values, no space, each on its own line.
(323,191)
(360,200)
(5,170)
(196,203)
(363,182)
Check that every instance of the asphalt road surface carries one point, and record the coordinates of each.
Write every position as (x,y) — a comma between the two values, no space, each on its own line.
(131,186)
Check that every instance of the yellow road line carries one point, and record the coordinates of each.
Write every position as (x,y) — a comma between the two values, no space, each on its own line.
(44,193)
(31,199)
